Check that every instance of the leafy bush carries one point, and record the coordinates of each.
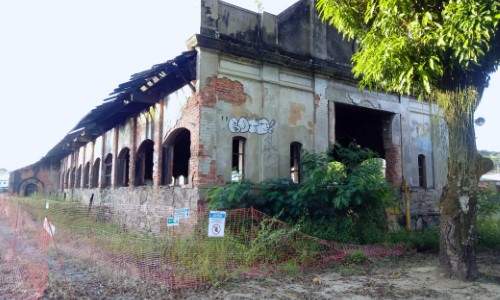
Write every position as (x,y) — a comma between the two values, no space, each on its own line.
(488,218)
(488,231)
(357,257)
(422,240)
(342,196)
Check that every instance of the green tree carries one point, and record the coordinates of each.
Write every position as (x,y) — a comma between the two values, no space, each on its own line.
(443,51)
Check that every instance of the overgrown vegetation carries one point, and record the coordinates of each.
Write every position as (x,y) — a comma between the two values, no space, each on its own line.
(488,227)
(488,219)
(267,243)
(342,196)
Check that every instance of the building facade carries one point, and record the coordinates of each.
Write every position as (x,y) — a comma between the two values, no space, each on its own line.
(252,92)
(4,180)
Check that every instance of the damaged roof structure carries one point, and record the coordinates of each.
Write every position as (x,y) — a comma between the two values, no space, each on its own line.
(128,99)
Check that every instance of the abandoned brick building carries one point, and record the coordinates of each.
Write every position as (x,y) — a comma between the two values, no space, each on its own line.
(253,91)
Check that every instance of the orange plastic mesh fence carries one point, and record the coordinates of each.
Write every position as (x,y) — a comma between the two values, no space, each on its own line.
(175,247)
(23,255)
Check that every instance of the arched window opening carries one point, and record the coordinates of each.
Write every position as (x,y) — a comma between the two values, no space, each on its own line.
(123,167)
(86,175)
(96,172)
(108,170)
(295,149)
(31,190)
(176,155)
(238,159)
(73,177)
(78,176)
(422,174)
(66,181)
(144,164)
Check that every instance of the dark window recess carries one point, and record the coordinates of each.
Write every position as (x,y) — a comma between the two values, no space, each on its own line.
(123,167)
(96,173)
(67,182)
(295,149)
(422,174)
(78,176)
(238,159)
(144,164)
(73,177)
(31,189)
(86,176)
(108,170)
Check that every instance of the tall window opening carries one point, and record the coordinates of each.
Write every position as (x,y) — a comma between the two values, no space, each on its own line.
(108,170)
(176,155)
(422,175)
(96,173)
(144,164)
(123,167)
(295,149)
(86,175)
(78,176)
(67,183)
(238,159)
(73,177)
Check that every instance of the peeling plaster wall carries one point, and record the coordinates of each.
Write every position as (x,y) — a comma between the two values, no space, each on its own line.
(301,106)
(282,100)
(125,136)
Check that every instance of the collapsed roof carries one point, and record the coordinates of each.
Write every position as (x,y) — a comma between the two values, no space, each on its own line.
(143,90)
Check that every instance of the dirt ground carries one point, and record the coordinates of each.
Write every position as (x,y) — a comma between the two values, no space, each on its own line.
(412,277)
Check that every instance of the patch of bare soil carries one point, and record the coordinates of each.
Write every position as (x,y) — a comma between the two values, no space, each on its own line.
(411,277)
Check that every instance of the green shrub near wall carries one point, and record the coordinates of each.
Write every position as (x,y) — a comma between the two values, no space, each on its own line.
(342,196)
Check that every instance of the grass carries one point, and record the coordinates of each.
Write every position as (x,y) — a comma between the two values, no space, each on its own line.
(195,256)
(268,245)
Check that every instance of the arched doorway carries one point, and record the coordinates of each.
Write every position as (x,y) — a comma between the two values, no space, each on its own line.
(176,156)
(30,187)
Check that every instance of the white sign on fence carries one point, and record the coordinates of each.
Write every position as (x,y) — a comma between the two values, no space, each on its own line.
(216,223)
(181,213)
(47,225)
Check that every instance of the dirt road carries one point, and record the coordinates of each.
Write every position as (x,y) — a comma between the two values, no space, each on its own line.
(411,277)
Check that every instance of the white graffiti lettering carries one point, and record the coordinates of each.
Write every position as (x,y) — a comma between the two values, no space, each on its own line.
(258,126)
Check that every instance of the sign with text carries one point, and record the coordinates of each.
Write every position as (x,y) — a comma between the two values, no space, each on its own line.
(172,222)
(181,213)
(216,223)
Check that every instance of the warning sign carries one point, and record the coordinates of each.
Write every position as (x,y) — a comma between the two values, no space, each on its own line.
(216,222)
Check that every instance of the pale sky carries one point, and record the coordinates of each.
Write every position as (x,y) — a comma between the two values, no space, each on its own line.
(59,59)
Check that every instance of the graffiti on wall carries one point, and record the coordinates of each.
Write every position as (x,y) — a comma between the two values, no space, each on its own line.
(269,147)
(258,126)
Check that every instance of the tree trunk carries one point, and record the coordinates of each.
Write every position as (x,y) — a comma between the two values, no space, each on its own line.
(458,202)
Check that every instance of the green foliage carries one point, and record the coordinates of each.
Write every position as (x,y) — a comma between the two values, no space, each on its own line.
(342,196)
(271,244)
(415,46)
(488,219)
(234,195)
(357,257)
(489,202)
(422,240)
(488,232)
